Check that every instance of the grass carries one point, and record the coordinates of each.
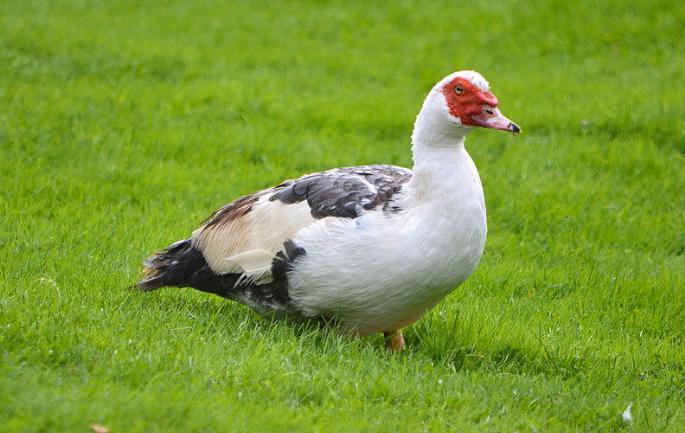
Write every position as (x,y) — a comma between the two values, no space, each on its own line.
(123,124)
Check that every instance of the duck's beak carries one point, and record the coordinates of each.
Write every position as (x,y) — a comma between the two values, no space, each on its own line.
(490,117)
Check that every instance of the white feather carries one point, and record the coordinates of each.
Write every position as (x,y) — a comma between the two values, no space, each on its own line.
(255,266)
(253,239)
(627,414)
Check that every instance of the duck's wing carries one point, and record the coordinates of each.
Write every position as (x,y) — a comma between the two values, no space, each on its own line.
(246,235)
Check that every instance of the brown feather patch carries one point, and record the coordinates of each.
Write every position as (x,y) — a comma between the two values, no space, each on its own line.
(234,210)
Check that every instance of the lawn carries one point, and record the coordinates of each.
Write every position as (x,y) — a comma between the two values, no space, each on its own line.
(124,124)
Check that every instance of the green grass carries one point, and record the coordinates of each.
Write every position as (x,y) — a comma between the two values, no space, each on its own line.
(123,124)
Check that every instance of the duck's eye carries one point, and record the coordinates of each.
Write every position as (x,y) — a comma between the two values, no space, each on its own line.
(458,90)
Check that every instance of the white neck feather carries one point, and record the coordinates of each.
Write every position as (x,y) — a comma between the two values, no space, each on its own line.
(438,149)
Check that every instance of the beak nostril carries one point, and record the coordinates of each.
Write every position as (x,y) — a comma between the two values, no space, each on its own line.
(490,112)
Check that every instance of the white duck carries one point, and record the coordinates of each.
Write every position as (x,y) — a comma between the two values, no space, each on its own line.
(370,248)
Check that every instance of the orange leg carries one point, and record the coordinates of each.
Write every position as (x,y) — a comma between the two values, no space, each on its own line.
(394,341)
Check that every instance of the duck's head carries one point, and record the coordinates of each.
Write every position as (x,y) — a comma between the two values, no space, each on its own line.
(460,102)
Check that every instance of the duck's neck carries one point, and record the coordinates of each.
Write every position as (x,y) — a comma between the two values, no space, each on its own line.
(440,160)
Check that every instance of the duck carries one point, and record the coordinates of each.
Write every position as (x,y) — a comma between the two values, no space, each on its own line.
(369,249)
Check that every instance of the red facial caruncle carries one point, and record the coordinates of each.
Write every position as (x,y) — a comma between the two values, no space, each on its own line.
(475,107)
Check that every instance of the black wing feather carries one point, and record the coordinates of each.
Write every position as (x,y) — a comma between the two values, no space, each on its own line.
(345,192)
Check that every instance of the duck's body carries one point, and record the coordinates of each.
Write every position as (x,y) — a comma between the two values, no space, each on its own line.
(384,270)
(371,248)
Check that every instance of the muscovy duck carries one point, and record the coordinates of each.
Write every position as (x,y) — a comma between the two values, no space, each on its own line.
(369,248)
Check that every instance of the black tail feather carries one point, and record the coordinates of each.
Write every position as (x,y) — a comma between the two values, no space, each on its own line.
(182,265)
(173,266)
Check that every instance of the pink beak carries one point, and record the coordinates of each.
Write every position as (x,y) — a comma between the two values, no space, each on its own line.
(490,117)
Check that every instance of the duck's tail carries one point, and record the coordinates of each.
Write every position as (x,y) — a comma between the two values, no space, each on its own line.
(176,265)
(182,265)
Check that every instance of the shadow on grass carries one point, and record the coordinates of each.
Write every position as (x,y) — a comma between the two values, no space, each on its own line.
(214,314)
(461,346)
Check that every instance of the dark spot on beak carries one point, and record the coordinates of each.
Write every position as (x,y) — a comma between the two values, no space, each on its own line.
(514,128)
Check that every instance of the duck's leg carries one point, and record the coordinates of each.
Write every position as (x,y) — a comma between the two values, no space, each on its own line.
(394,341)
